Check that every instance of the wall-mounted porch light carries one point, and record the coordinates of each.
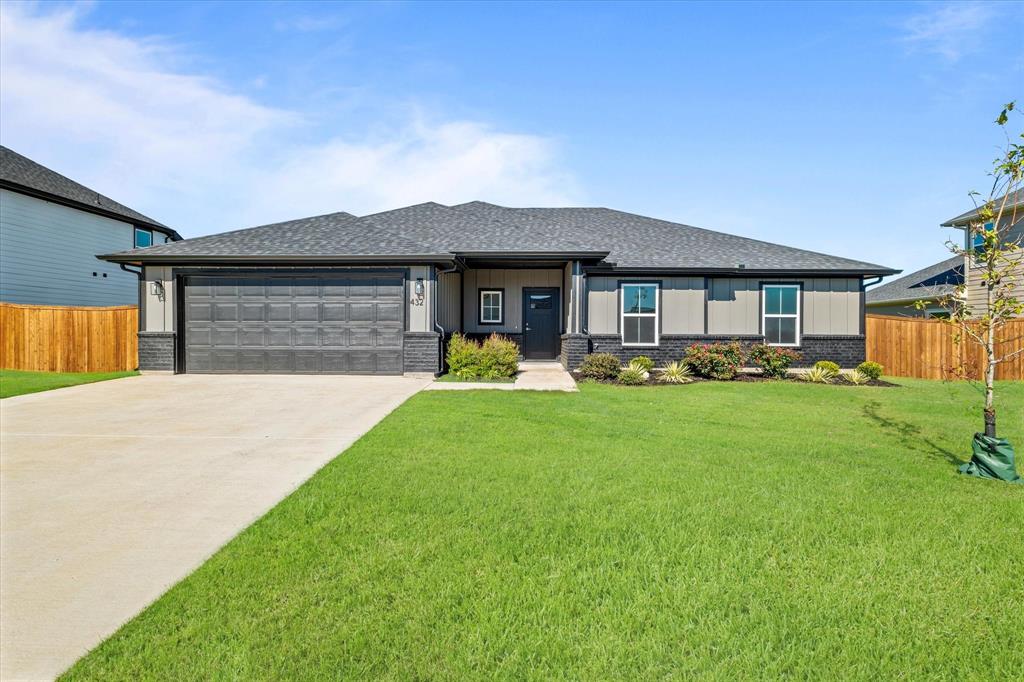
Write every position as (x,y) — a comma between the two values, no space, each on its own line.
(418,287)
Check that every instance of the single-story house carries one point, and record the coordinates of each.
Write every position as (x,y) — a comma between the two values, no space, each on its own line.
(381,293)
(929,285)
(51,228)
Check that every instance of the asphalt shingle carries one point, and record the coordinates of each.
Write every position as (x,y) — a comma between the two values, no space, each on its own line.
(927,283)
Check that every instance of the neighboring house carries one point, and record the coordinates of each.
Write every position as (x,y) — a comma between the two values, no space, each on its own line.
(51,229)
(969,223)
(929,285)
(379,294)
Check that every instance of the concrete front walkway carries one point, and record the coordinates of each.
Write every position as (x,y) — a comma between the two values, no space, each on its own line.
(112,492)
(534,375)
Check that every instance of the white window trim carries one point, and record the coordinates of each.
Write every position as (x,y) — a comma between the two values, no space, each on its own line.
(765,315)
(501,306)
(623,314)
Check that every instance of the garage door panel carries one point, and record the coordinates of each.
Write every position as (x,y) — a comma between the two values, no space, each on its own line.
(306,312)
(279,312)
(225,312)
(335,312)
(389,312)
(336,324)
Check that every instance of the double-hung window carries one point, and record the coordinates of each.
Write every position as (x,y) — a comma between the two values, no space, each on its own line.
(491,306)
(639,314)
(781,313)
(143,238)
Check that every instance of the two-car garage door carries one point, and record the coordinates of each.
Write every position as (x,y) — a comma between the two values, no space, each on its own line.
(331,324)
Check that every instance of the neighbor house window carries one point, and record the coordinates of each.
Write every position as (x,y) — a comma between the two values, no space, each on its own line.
(781,314)
(639,314)
(491,306)
(143,238)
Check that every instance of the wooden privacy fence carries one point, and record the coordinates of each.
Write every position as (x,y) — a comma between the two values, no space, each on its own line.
(924,348)
(46,338)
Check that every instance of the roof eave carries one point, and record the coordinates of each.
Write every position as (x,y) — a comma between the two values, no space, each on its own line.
(157,259)
(98,210)
(765,272)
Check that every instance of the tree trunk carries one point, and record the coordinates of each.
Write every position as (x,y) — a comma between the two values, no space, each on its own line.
(990,369)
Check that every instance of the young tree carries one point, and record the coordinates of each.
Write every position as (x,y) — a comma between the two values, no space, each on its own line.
(994,261)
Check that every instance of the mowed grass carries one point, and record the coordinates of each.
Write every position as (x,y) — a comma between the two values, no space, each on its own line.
(711,530)
(17,382)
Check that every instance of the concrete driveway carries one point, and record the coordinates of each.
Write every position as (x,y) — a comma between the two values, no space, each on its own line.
(112,492)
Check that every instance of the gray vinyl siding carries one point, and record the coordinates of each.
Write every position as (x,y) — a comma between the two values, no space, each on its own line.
(512,281)
(449,286)
(976,288)
(682,304)
(829,306)
(48,254)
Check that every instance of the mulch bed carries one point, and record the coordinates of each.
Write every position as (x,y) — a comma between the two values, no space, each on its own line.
(652,380)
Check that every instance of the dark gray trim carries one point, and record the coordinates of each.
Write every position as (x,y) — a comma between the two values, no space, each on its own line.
(269,261)
(480,291)
(707,293)
(739,272)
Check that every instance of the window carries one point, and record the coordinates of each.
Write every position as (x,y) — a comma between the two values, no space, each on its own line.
(492,306)
(781,314)
(978,241)
(143,238)
(639,314)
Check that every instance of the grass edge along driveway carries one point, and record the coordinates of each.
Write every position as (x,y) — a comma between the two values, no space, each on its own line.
(712,530)
(15,382)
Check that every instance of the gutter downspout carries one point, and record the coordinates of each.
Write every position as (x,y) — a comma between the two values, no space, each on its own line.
(864,284)
(433,309)
(138,273)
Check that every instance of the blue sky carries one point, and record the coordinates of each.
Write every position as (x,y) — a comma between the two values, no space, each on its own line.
(849,128)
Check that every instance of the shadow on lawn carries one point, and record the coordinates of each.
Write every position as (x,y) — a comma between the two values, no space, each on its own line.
(909,434)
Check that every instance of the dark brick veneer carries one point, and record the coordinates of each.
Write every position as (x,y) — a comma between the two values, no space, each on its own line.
(848,351)
(156,351)
(421,352)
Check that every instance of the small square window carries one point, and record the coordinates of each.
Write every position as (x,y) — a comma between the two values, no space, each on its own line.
(491,306)
(143,238)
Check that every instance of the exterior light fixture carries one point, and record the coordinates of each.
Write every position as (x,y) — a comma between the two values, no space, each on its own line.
(419,287)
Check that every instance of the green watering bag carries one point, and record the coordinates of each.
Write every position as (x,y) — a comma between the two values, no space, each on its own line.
(992,458)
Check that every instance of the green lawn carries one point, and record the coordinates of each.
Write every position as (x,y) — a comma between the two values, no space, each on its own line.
(713,530)
(16,382)
(452,378)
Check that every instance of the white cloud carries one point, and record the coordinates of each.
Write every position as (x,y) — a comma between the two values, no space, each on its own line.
(949,29)
(120,114)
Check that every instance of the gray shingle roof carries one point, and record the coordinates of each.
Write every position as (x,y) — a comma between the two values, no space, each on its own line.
(334,235)
(477,228)
(928,283)
(22,172)
(1014,198)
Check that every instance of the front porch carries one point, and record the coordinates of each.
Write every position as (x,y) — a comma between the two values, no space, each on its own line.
(536,303)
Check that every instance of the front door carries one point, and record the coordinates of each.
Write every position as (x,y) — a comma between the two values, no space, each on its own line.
(540,323)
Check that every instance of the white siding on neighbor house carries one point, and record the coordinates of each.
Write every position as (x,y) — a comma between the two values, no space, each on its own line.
(682,304)
(829,306)
(512,281)
(48,255)
(449,288)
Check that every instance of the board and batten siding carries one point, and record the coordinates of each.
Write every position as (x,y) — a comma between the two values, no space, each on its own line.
(512,281)
(682,304)
(449,287)
(48,255)
(830,306)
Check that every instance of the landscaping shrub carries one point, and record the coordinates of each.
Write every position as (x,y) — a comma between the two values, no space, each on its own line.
(872,370)
(600,366)
(499,357)
(643,362)
(773,361)
(676,373)
(818,375)
(828,366)
(496,358)
(639,366)
(856,377)
(632,376)
(715,360)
